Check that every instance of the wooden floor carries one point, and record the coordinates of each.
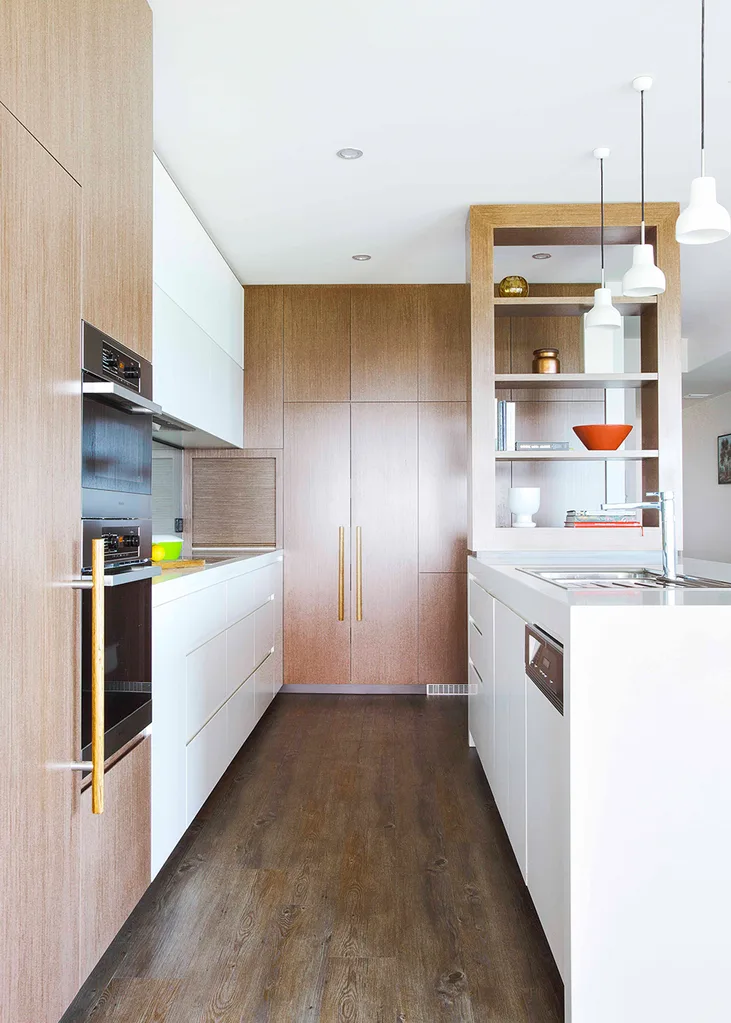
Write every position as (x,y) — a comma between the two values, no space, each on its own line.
(350,866)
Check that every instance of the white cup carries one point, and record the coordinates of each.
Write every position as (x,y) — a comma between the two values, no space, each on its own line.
(524,502)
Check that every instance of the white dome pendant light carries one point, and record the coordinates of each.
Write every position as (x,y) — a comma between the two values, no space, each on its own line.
(602,313)
(704,220)
(643,278)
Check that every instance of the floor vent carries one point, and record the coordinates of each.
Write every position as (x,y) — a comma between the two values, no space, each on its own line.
(448,689)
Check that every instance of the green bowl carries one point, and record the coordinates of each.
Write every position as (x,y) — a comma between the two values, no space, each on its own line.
(172,545)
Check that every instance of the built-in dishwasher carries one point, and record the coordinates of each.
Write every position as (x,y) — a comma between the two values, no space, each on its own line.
(547,784)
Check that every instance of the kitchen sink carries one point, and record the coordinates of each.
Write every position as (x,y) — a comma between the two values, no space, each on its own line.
(620,579)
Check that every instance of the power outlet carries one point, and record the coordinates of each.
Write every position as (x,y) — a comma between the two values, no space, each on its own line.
(178,525)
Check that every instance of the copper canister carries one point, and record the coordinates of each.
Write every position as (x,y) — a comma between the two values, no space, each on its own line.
(545,360)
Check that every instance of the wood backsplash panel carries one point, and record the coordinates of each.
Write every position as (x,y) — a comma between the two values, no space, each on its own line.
(233,502)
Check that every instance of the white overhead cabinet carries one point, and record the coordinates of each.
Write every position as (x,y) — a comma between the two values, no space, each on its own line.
(198,322)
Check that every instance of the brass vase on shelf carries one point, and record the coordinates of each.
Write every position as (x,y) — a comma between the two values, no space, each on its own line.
(545,360)
(513,287)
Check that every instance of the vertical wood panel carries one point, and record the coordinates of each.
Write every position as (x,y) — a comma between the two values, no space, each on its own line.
(115,854)
(41,73)
(40,498)
(384,502)
(316,343)
(442,628)
(384,343)
(442,486)
(117,170)
(316,504)
(263,367)
(444,342)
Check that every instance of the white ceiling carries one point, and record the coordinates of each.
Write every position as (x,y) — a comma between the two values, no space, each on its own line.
(453,102)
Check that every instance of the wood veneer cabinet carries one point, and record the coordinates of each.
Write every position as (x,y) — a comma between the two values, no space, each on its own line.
(316,343)
(40,509)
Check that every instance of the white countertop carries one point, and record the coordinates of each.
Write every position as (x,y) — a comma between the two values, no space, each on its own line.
(177,582)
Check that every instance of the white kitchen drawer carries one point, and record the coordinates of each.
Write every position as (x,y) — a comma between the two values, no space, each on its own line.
(240,652)
(264,639)
(241,711)
(480,604)
(201,615)
(479,649)
(241,596)
(206,760)
(205,682)
(264,686)
(265,583)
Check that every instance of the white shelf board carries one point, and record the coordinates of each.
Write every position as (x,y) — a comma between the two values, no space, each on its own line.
(573,456)
(605,381)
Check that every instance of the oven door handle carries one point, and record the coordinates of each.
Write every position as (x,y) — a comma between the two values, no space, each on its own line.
(121,397)
(131,575)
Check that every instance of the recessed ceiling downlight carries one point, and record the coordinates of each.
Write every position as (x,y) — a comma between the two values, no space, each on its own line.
(349,154)
(541,255)
(361,257)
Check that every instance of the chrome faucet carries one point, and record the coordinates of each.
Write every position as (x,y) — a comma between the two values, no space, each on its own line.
(665,504)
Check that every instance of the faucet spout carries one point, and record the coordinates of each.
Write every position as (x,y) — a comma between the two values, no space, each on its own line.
(665,504)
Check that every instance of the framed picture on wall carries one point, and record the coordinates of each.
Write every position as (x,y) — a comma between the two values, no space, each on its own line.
(724,458)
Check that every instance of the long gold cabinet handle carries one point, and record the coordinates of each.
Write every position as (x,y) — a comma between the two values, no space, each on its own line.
(341,574)
(97,675)
(358,574)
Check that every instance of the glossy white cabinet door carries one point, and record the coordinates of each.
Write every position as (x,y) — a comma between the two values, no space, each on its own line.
(240,652)
(241,597)
(264,685)
(241,711)
(510,785)
(206,760)
(481,640)
(264,631)
(205,681)
(547,824)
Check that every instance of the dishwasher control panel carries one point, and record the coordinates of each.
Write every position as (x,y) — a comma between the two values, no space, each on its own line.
(544,664)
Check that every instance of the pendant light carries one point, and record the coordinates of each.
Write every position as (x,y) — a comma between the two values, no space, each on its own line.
(704,220)
(603,314)
(643,277)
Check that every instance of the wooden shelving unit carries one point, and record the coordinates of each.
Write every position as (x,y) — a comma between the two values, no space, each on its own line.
(504,333)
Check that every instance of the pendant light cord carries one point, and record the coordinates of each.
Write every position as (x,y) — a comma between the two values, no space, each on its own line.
(703,88)
(642,164)
(601,193)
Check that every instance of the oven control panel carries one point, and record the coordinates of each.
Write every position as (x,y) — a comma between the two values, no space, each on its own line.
(126,541)
(121,545)
(120,367)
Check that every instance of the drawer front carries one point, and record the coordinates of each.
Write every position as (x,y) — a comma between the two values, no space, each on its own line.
(478,646)
(203,614)
(206,760)
(264,639)
(264,686)
(480,605)
(240,652)
(205,682)
(241,596)
(241,710)
(264,583)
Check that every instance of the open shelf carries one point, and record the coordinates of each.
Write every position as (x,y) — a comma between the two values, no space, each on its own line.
(573,456)
(575,380)
(574,305)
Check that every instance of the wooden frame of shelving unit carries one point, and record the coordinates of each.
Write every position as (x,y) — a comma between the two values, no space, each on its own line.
(659,382)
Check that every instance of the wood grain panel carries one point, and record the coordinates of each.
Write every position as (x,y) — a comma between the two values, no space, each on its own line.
(115,854)
(40,468)
(263,367)
(384,334)
(316,343)
(117,170)
(444,342)
(384,502)
(234,502)
(41,73)
(316,505)
(442,486)
(442,627)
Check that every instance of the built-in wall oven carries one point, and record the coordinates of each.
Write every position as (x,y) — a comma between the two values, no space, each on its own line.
(117,513)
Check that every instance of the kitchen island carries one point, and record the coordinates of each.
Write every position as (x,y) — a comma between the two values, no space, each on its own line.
(616,804)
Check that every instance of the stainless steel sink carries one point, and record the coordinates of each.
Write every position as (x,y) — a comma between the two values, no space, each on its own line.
(620,579)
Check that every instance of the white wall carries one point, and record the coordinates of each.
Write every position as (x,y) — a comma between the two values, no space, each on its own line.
(707,515)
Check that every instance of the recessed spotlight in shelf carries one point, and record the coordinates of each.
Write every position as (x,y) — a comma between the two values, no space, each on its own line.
(361,257)
(541,255)
(349,154)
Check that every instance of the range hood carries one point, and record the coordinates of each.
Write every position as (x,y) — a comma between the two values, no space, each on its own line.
(178,434)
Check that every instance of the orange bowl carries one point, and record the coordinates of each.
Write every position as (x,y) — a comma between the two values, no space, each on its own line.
(603,436)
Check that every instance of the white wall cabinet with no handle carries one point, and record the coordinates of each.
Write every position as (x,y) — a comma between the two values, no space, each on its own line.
(481,700)
(510,725)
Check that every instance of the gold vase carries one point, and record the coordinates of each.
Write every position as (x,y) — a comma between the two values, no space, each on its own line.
(545,360)
(513,287)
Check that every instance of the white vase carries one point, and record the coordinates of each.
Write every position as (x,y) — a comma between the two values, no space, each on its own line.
(524,502)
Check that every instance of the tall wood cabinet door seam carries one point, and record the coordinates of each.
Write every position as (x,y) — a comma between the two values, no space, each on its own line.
(384,332)
(317,343)
(41,73)
(385,508)
(316,508)
(263,367)
(117,170)
(40,468)
(442,486)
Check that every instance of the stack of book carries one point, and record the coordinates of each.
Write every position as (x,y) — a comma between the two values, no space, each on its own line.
(505,426)
(601,520)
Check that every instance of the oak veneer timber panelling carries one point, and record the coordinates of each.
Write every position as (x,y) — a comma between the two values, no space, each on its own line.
(234,502)
(316,343)
(263,367)
(117,171)
(442,628)
(115,854)
(384,490)
(41,73)
(444,342)
(40,500)
(384,332)
(442,486)
(316,505)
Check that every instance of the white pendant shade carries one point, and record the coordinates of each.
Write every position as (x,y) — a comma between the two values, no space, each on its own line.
(643,278)
(603,313)
(703,220)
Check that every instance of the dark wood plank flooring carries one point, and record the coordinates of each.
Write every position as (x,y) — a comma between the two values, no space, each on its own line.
(350,866)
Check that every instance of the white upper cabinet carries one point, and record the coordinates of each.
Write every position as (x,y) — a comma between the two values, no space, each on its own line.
(198,329)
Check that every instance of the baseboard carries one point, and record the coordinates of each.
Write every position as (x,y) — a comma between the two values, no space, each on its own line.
(350,689)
